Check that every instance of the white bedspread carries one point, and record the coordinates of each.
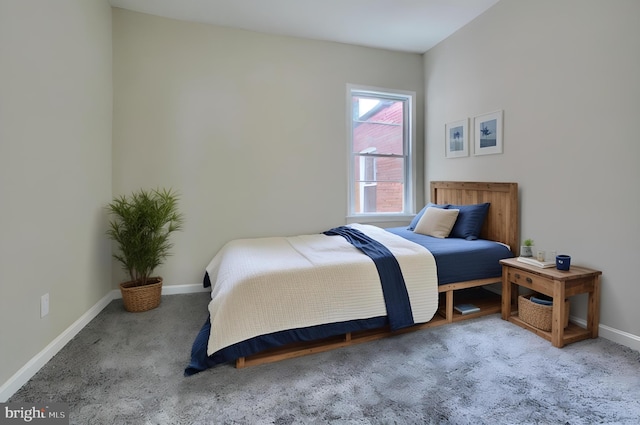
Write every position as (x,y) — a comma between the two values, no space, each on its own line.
(265,285)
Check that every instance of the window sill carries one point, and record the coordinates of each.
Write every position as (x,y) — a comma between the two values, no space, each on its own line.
(400,219)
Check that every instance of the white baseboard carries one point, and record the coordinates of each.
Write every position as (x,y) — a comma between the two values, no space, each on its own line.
(183,289)
(612,334)
(35,364)
(172,290)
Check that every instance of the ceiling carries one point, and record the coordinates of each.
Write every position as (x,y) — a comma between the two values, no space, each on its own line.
(404,25)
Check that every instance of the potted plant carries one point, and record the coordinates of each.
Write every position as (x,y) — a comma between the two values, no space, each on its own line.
(526,250)
(141,226)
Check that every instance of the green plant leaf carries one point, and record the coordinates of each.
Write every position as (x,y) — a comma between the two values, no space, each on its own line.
(141,225)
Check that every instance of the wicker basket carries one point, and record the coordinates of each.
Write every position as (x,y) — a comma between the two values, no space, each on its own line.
(538,315)
(141,298)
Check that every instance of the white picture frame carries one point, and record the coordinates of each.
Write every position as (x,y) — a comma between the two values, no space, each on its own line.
(488,133)
(456,136)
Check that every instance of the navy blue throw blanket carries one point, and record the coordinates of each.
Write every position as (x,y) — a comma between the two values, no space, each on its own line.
(396,297)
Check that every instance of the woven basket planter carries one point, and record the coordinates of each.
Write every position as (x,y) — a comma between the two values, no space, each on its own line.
(139,298)
(538,315)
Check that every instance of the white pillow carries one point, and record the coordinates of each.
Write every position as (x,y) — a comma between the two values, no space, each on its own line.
(437,222)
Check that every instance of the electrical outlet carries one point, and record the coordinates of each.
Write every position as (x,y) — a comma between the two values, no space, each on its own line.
(44,305)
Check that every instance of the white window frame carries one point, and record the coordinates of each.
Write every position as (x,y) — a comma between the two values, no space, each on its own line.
(409,196)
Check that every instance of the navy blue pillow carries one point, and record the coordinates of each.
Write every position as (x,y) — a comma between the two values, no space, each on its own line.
(470,220)
(418,216)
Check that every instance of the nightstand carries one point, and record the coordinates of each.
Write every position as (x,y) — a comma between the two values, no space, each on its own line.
(559,285)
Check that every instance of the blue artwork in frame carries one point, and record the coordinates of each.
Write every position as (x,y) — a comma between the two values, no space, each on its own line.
(488,133)
(457,139)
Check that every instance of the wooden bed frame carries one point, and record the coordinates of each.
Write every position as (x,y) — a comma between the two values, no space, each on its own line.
(501,225)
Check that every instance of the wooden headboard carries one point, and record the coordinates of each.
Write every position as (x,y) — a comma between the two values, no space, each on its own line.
(502,222)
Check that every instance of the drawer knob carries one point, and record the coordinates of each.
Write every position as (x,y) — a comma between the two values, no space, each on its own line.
(517,275)
(529,280)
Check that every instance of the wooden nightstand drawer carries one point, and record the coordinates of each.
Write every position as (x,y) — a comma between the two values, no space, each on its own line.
(529,280)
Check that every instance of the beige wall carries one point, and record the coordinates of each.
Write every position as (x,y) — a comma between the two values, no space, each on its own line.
(249,128)
(55,168)
(566,75)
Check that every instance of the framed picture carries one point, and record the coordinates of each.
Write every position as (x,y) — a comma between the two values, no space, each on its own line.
(457,139)
(488,133)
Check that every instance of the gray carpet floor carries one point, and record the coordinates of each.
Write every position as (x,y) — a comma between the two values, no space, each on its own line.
(127,368)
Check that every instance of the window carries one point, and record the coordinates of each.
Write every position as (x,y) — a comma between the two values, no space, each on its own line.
(380,152)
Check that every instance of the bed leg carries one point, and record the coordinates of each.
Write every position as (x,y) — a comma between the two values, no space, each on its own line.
(449,306)
(239,362)
(347,337)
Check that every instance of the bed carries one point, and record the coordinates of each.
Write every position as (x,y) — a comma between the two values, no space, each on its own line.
(278,298)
